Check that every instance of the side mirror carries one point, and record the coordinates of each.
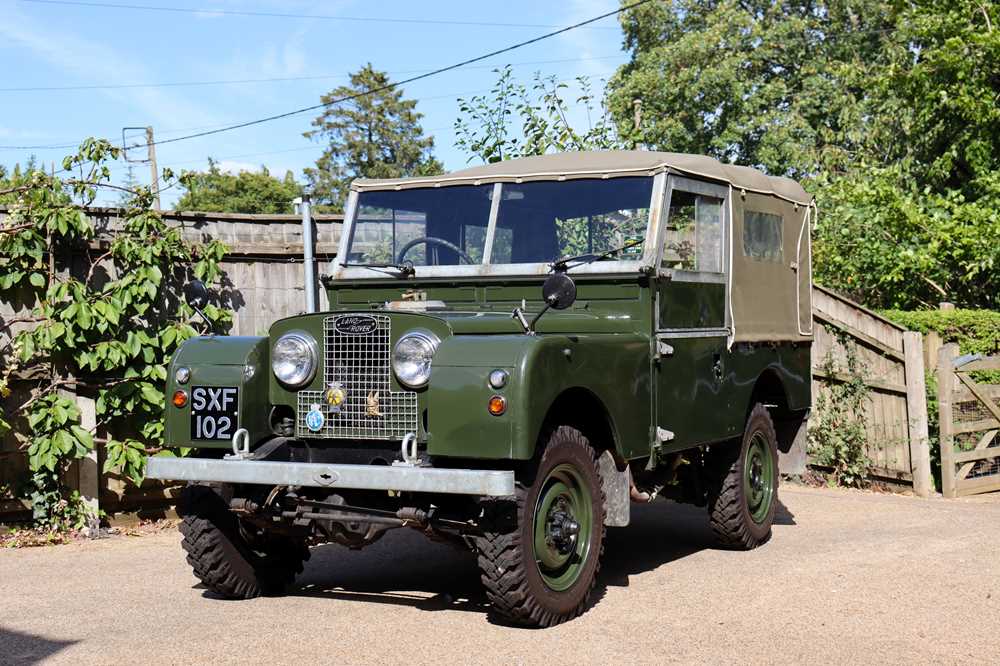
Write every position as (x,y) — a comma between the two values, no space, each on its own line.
(559,291)
(196,294)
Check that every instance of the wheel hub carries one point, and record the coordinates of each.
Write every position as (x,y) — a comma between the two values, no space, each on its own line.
(561,528)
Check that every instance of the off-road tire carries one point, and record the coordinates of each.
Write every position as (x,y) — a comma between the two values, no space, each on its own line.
(515,586)
(728,507)
(220,555)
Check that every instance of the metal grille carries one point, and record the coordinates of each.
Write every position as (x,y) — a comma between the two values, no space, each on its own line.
(360,364)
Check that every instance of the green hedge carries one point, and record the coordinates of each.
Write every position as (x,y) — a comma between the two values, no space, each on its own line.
(975,331)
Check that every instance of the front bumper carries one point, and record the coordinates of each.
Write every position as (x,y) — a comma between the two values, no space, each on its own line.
(403,478)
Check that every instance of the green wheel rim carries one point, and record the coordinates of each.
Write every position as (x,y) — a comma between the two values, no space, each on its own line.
(563,524)
(758,477)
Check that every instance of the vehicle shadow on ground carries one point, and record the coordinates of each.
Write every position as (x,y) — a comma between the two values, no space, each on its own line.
(17,647)
(406,569)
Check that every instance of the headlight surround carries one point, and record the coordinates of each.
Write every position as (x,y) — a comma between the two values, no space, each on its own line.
(294,358)
(412,356)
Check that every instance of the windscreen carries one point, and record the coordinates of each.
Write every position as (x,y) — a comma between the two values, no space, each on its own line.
(537,222)
(543,221)
(428,227)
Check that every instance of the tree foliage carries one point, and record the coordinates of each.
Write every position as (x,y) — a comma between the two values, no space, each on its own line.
(514,120)
(772,85)
(375,135)
(219,191)
(108,331)
(888,110)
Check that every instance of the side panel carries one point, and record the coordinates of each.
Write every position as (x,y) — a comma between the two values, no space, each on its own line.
(708,410)
(614,368)
(220,361)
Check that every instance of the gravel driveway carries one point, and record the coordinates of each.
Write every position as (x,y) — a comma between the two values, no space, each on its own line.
(848,577)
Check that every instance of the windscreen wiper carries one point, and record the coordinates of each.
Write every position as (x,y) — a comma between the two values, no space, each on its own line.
(403,268)
(562,265)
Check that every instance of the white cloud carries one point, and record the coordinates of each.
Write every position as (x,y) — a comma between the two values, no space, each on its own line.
(98,61)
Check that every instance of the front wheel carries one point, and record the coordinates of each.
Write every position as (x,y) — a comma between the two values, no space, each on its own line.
(222,558)
(539,563)
(742,498)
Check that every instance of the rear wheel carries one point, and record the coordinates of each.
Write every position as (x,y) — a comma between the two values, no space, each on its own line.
(221,556)
(540,556)
(742,500)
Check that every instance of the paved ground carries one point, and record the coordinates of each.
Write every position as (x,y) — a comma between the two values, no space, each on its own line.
(848,577)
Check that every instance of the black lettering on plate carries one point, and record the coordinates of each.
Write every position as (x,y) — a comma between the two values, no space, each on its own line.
(355,325)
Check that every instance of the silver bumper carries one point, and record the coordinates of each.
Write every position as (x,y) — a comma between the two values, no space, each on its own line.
(318,475)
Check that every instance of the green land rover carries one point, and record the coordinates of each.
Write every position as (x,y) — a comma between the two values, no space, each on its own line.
(512,356)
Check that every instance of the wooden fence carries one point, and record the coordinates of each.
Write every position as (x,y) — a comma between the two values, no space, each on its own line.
(970,419)
(892,366)
(263,282)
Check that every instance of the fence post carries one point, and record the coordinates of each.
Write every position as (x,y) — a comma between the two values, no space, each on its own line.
(916,411)
(946,390)
(90,473)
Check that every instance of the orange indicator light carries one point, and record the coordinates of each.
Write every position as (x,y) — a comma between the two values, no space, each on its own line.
(180,398)
(497,405)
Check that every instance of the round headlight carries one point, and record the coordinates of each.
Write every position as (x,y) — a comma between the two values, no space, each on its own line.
(182,375)
(294,358)
(412,356)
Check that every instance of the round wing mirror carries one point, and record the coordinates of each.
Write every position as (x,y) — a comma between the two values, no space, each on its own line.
(196,294)
(559,291)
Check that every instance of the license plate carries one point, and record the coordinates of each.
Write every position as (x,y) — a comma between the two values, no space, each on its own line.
(213,411)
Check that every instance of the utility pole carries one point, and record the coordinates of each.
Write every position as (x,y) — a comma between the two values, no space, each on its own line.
(154,174)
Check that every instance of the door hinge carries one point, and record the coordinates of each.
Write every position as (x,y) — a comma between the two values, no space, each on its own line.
(664,435)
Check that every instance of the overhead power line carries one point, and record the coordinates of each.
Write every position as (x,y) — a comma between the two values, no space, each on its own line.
(322,17)
(396,84)
(179,84)
(412,79)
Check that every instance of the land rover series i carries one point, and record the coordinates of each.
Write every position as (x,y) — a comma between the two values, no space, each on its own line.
(513,354)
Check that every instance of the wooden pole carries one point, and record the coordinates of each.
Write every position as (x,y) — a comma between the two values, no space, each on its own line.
(155,176)
(946,390)
(916,411)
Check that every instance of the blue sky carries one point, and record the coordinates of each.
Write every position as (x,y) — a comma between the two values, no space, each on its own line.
(60,45)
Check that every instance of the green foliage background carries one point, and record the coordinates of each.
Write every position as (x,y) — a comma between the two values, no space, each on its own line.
(108,332)
(244,192)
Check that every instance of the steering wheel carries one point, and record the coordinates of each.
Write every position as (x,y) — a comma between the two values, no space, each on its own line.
(433,240)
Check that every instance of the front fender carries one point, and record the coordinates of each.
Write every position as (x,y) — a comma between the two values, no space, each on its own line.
(613,367)
(220,361)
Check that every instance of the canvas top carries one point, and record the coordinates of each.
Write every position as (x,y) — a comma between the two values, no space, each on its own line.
(602,164)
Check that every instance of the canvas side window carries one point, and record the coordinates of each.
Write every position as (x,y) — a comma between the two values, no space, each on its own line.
(762,236)
(694,233)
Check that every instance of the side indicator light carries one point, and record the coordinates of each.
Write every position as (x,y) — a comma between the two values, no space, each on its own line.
(180,398)
(497,405)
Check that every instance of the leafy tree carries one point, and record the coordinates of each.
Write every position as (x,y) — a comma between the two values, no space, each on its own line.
(245,192)
(886,109)
(914,218)
(514,120)
(773,85)
(109,331)
(375,135)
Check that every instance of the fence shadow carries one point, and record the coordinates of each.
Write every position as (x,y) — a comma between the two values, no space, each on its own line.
(17,647)
(404,567)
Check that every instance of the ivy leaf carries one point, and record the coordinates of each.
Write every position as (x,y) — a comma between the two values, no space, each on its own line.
(37,280)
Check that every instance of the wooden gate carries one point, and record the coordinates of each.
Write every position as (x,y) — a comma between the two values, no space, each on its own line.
(970,420)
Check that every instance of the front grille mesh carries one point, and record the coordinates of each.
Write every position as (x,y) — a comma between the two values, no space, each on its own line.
(361,365)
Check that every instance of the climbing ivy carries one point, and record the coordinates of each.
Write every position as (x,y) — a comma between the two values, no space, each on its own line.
(838,436)
(103,318)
